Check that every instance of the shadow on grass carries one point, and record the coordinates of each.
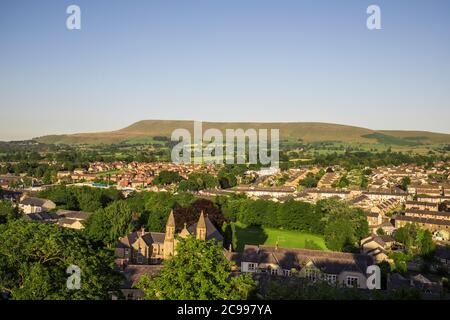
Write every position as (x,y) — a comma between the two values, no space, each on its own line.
(253,235)
(311,244)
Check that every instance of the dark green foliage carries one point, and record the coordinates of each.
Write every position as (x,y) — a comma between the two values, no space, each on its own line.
(363,159)
(80,198)
(198,181)
(387,139)
(310,180)
(108,224)
(228,175)
(8,212)
(166,177)
(199,271)
(34,258)
(405,182)
(343,182)
(345,226)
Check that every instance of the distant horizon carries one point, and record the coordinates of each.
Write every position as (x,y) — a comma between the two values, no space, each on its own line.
(208,121)
(252,61)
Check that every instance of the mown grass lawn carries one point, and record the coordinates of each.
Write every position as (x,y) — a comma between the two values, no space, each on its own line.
(270,236)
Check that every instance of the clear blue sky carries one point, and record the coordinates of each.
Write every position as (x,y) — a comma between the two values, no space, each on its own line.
(222,60)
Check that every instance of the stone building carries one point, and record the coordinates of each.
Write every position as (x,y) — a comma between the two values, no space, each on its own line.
(141,247)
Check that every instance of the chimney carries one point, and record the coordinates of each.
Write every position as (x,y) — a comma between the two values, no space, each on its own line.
(230,249)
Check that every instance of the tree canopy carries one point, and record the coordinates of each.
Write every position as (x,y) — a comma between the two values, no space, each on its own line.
(107,225)
(199,271)
(8,212)
(34,258)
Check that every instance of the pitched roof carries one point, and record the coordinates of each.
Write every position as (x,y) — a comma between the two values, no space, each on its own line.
(381,240)
(440,222)
(328,261)
(148,237)
(211,230)
(171,220)
(36,202)
(427,212)
(201,221)
(76,215)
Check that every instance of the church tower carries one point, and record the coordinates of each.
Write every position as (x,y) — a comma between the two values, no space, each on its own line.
(201,227)
(169,239)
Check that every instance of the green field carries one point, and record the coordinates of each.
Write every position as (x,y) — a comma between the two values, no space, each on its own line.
(270,236)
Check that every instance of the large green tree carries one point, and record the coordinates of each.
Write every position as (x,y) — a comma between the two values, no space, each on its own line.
(345,226)
(8,212)
(107,225)
(199,271)
(34,258)
(166,177)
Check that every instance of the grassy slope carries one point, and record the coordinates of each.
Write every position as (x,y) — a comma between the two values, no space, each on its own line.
(308,131)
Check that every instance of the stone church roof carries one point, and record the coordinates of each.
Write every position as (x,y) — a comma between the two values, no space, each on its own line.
(211,230)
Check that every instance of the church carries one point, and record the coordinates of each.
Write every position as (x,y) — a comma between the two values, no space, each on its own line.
(141,247)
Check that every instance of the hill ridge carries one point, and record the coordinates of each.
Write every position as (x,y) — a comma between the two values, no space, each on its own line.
(306,131)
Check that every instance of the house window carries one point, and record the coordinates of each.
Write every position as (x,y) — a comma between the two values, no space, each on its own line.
(126,252)
(331,278)
(311,274)
(287,273)
(273,271)
(252,266)
(352,282)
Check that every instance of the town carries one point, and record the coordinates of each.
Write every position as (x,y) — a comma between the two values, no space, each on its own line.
(225,159)
(403,226)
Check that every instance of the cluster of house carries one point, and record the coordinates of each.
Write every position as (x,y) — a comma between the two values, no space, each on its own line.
(9,179)
(424,203)
(43,210)
(134,175)
(388,176)
(142,253)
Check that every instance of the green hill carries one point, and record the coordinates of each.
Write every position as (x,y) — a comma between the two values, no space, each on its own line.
(306,131)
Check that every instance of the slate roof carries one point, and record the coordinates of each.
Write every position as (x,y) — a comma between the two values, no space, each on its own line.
(328,262)
(41,217)
(428,212)
(381,240)
(211,230)
(439,222)
(36,202)
(9,194)
(148,237)
(76,215)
